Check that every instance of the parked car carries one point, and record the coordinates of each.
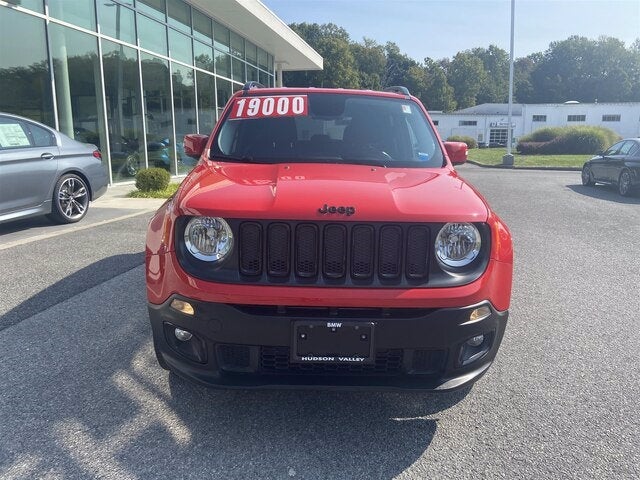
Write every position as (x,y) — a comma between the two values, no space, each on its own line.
(44,172)
(618,165)
(325,239)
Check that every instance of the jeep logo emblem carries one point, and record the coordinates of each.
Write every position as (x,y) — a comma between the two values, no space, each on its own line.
(348,211)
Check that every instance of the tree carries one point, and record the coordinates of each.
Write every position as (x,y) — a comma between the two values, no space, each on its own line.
(439,95)
(495,83)
(466,74)
(370,60)
(333,43)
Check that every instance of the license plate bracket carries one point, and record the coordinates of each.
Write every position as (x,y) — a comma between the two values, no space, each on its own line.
(333,342)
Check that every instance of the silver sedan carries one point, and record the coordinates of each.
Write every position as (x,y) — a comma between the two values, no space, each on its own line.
(44,172)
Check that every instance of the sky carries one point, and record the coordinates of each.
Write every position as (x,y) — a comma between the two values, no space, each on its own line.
(441,28)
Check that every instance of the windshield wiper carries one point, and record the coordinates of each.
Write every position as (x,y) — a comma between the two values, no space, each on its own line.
(237,158)
(376,162)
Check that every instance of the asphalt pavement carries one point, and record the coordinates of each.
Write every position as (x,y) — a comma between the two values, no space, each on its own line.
(82,395)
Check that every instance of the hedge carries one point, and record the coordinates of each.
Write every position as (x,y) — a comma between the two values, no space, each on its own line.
(152,179)
(470,141)
(586,140)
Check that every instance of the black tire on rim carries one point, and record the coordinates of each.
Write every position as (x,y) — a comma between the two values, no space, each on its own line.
(624,183)
(587,176)
(132,164)
(70,200)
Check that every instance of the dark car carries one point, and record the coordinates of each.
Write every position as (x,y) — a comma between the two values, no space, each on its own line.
(618,165)
(44,172)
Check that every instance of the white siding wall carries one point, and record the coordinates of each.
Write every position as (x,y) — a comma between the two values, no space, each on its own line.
(556,116)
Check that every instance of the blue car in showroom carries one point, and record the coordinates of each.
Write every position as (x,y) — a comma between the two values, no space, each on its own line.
(44,172)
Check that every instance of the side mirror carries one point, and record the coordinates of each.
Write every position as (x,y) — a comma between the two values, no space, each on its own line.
(194,144)
(457,152)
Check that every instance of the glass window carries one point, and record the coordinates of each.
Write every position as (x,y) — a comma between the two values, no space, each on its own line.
(25,85)
(153,35)
(223,64)
(35,5)
(124,109)
(238,70)
(611,118)
(221,37)
(179,15)
(78,83)
(117,21)
(344,128)
(223,89)
(467,123)
(626,147)
(237,45)
(252,73)
(157,102)
(251,52)
(613,149)
(80,13)
(263,78)
(539,118)
(153,8)
(270,63)
(262,59)
(180,47)
(576,118)
(18,134)
(202,28)
(498,136)
(206,102)
(184,109)
(635,150)
(203,55)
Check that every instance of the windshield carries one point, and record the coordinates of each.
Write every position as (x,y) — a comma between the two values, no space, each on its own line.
(328,128)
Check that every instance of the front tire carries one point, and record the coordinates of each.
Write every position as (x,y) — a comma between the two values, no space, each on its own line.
(624,183)
(587,176)
(70,200)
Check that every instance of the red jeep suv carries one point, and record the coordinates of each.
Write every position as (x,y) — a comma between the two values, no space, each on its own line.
(324,239)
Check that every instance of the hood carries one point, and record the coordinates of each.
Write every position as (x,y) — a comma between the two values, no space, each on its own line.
(308,191)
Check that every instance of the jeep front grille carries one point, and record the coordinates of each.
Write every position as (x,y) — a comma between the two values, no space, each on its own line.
(334,253)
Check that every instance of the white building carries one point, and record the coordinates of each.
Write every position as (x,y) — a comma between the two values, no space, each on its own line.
(488,123)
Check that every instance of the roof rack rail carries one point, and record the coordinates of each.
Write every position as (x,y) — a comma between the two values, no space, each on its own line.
(252,84)
(398,89)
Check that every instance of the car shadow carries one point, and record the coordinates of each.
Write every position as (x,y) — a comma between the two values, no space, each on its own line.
(72,285)
(25,224)
(605,192)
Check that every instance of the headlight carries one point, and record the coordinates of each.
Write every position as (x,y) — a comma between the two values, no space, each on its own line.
(208,238)
(458,244)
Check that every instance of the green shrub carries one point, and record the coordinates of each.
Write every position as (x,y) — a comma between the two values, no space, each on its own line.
(567,140)
(470,141)
(152,179)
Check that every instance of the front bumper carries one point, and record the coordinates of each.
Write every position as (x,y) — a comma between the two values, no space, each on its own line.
(250,346)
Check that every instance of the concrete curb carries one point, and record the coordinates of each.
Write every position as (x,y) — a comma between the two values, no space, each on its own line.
(512,167)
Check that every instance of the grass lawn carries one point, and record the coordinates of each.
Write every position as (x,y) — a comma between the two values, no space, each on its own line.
(166,193)
(493,156)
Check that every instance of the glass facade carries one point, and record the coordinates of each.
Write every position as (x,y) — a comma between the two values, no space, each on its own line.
(132,77)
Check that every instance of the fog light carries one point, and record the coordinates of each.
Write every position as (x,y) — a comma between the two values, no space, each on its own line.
(479,313)
(182,306)
(472,342)
(183,335)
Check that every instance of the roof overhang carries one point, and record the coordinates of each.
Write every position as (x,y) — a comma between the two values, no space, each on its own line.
(254,21)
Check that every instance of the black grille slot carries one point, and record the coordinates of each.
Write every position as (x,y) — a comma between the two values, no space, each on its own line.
(335,251)
(306,245)
(250,249)
(390,252)
(362,251)
(278,256)
(417,257)
(275,360)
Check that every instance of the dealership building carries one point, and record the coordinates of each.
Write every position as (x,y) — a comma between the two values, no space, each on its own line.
(135,76)
(488,123)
